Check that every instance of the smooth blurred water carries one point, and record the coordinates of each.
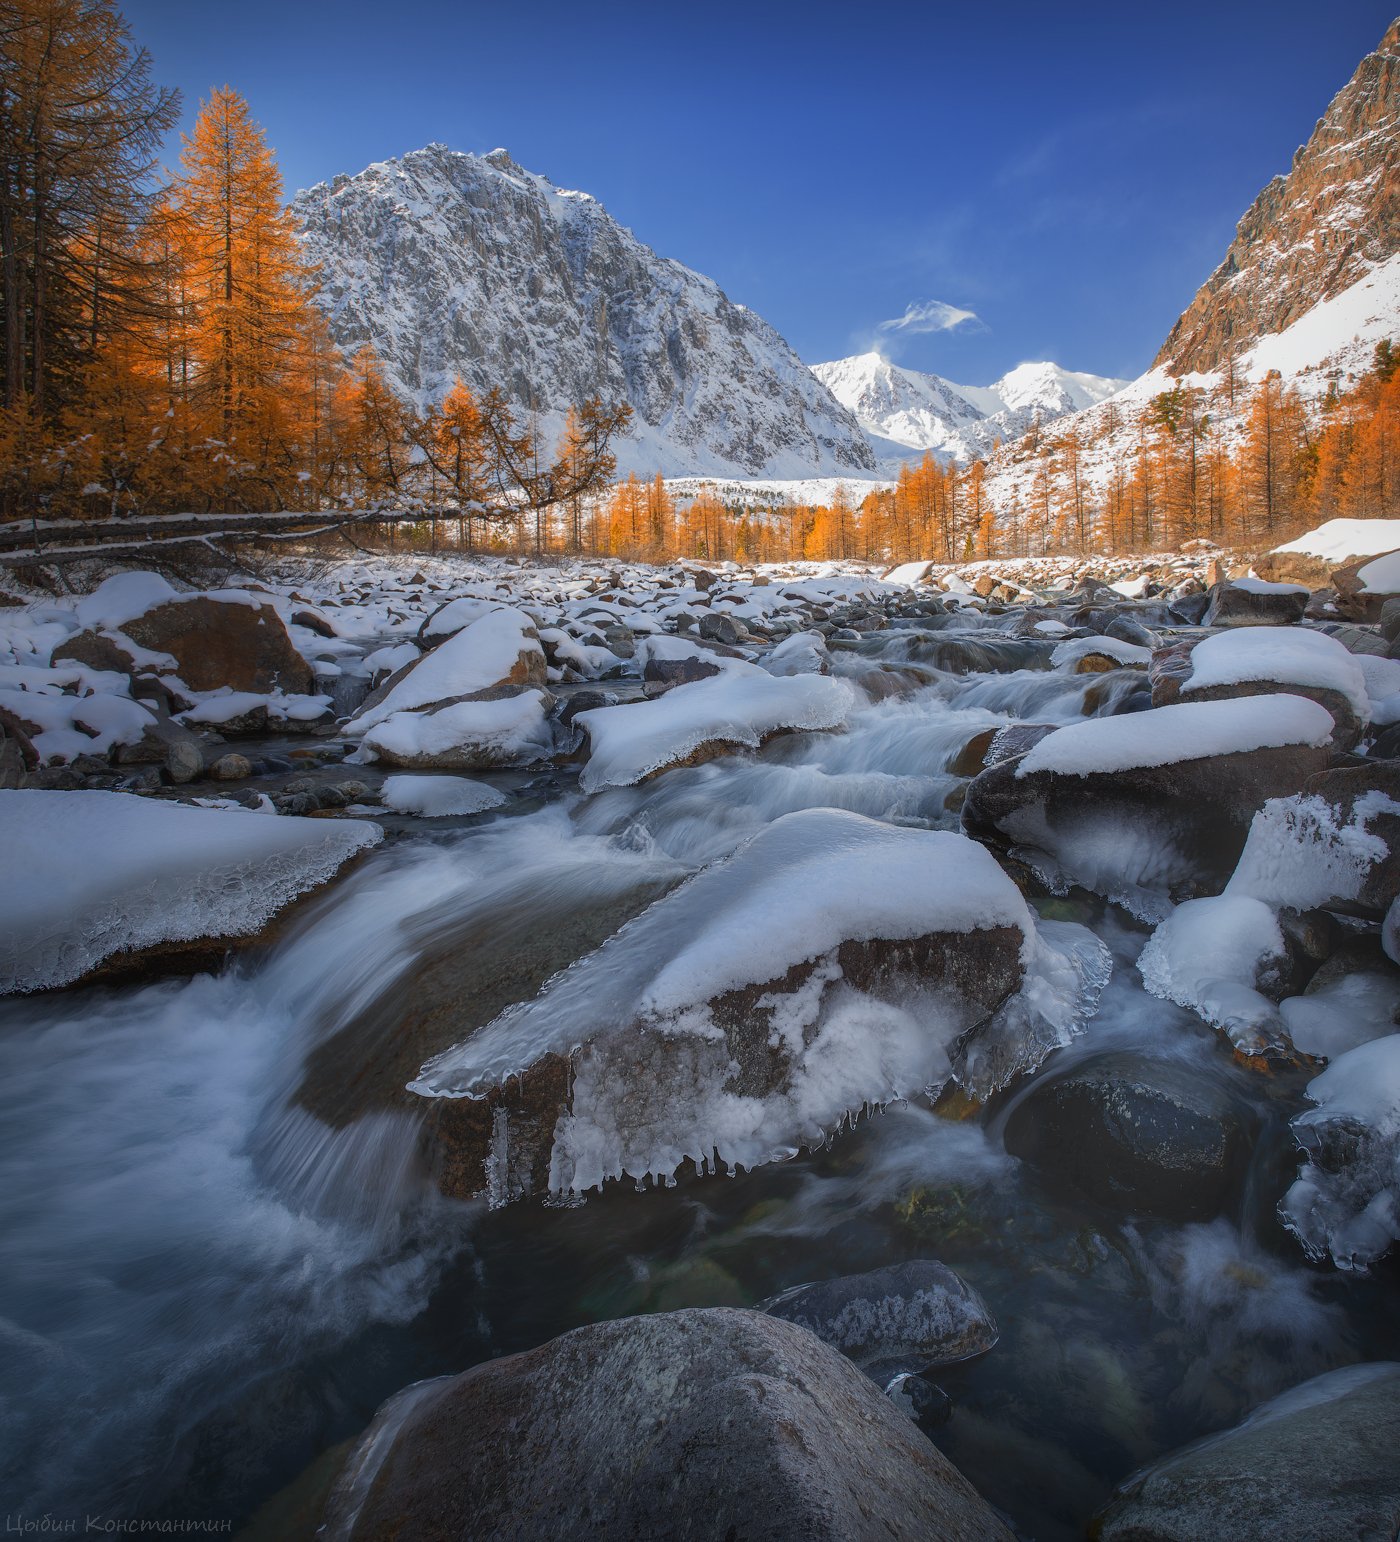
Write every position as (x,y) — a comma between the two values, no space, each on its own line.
(204,1286)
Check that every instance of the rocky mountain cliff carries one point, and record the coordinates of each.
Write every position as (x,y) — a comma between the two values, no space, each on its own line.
(453,264)
(1309,235)
(904,410)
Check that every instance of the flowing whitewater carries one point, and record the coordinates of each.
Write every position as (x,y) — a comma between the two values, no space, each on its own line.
(223,1252)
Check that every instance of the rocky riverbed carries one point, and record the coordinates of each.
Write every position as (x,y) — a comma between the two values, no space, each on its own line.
(990,980)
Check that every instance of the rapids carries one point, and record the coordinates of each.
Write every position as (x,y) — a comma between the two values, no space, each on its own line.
(210,1278)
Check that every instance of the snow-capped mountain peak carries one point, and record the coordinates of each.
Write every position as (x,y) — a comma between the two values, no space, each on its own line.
(452,264)
(904,410)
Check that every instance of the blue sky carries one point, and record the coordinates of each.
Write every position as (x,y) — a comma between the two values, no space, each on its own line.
(1068,175)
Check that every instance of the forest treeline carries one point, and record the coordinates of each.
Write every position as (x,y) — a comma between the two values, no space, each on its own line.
(162,354)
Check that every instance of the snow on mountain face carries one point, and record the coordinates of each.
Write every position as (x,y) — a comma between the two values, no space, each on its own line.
(905,409)
(1310,235)
(453,264)
(1309,286)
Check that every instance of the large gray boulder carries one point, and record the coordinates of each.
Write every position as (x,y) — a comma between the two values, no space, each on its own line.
(712,1424)
(1319,1463)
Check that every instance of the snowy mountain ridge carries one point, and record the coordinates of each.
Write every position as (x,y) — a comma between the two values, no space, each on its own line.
(904,410)
(453,264)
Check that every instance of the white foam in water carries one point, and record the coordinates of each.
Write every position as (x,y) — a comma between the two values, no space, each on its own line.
(628,743)
(95,873)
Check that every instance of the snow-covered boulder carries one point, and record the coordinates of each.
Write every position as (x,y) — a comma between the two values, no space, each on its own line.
(95,874)
(496,653)
(1259,660)
(702,720)
(639,1426)
(1364,587)
(1313,556)
(1098,655)
(828,965)
(1317,1461)
(472,735)
(1141,806)
(1255,602)
(439,797)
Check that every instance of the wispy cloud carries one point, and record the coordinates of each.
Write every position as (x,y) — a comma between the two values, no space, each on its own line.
(929,316)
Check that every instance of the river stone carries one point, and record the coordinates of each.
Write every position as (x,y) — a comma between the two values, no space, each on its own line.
(1230,605)
(720,627)
(914,1316)
(678,671)
(219,643)
(1197,812)
(707,1425)
(1320,1463)
(1154,1137)
(1355,602)
(1171,668)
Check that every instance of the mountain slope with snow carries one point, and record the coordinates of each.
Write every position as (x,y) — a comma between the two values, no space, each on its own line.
(904,410)
(1310,235)
(1308,288)
(452,264)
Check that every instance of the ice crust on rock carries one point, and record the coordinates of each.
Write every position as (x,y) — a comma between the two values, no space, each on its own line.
(437,797)
(1207,954)
(800,887)
(628,743)
(1166,736)
(654,1079)
(1346,1201)
(96,873)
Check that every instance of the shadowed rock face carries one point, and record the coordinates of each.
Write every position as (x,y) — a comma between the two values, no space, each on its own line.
(1147,1136)
(1200,808)
(1310,234)
(1317,1462)
(706,1425)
